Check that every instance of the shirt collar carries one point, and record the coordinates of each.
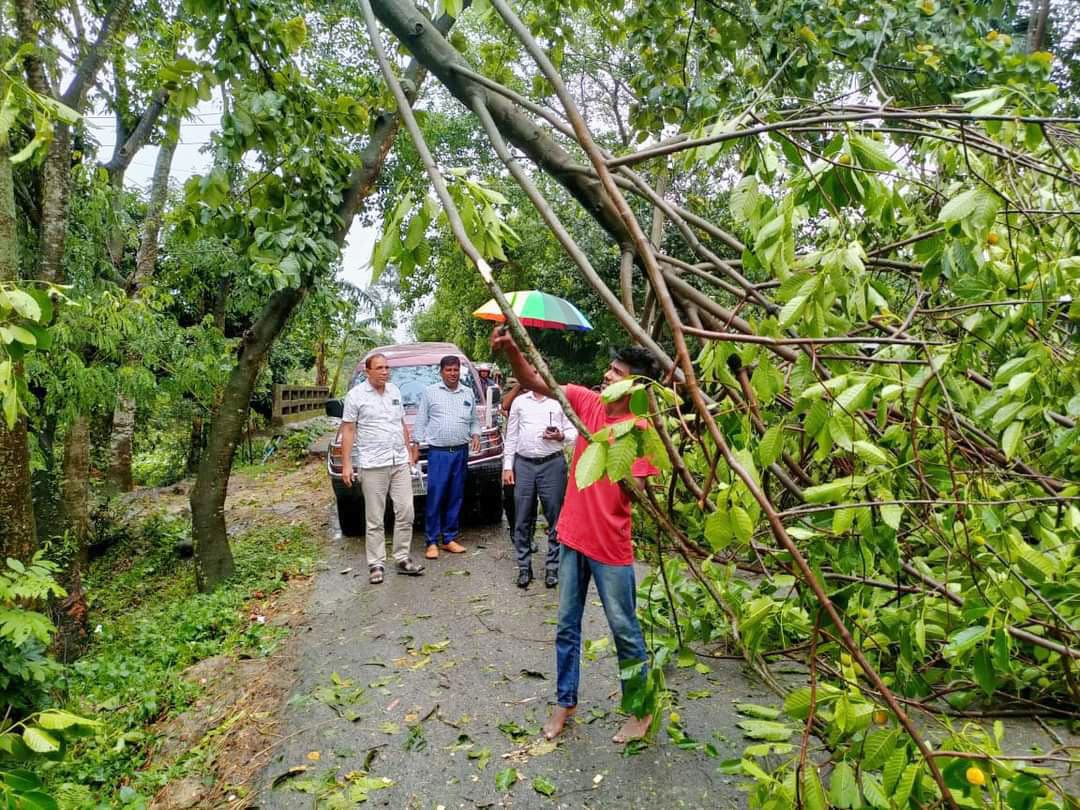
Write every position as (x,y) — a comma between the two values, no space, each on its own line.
(445,387)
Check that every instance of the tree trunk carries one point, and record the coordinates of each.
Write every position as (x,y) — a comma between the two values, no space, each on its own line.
(76,485)
(71,627)
(123,428)
(322,374)
(17,538)
(195,446)
(213,557)
(146,257)
(120,445)
(1040,14)
(55,190)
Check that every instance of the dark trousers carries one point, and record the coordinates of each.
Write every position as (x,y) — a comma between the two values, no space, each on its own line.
(546,480)
(510,508)
(445,492)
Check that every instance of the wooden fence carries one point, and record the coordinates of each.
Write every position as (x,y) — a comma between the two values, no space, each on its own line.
(293,403)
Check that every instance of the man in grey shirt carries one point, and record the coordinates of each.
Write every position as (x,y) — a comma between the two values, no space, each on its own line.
(376,439)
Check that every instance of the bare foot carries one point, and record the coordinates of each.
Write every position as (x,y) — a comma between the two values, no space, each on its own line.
(554,726)
(633,729)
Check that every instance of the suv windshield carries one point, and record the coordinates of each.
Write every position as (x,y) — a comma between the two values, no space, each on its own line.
(412,380)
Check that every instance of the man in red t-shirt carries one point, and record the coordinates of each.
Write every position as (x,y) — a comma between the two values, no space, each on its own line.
(594,530)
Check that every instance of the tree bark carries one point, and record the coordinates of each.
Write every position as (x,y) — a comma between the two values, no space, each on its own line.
(17,537)
(123,429)
(71,626)
(146,257)
(213,557)
(1040,14)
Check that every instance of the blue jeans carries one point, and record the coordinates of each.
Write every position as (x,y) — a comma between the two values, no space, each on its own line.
(445,492)
(618,594)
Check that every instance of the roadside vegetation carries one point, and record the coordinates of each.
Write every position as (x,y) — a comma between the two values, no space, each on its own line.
(850,233)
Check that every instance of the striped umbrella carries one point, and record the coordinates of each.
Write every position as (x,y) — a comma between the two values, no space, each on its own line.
(540,309)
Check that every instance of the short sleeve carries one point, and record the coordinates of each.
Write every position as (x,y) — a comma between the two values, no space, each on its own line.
(351,410)
(643,468)
(586,404)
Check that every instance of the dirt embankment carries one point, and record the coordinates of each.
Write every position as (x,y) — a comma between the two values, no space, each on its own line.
(230,730)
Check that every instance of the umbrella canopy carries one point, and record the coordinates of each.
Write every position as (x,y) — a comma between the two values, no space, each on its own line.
(536,308)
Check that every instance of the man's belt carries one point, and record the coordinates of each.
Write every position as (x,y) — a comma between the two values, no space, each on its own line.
(450,449)
(541,459)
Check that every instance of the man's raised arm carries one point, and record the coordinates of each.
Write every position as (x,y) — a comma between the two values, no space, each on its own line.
(527,376)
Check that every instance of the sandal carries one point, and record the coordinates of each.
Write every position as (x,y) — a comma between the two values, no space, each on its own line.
(410,568)
(375,575)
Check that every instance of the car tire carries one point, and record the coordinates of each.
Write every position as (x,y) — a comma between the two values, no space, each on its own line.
(489,503)
(350,509)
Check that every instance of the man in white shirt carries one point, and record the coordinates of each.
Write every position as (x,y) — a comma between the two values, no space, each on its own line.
(533,462)
(373,430)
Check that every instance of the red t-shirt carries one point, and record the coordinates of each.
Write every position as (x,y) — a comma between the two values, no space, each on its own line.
(596,520)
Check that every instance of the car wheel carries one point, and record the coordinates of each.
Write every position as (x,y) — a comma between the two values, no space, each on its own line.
(489,503)
(350,509)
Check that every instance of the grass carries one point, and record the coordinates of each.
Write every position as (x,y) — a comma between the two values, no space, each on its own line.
(149,625)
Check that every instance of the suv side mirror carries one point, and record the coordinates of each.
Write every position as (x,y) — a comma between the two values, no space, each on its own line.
(335,407)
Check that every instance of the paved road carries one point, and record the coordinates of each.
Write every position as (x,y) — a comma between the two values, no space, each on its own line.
(402,709)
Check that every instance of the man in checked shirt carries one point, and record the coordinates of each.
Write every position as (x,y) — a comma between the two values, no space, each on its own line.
(447,419)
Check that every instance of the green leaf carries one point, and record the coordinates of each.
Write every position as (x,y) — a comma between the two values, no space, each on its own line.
(894,766)
(811,790)
(842,520)
(24,304)
(873,792)
(834,490)
(21,780)
(505,779)
(591,464)
(756,711)
(741,524)
(766,730)
(974,209)
(620,458)
(617,390)
(793,309)
(718,529)
(843,792)
(870,154)
(771,445)
(1010,439)
(963,640)
(543,786)
(877,747)
(905,784)
(36,800)
(871,453)
(40,740)
(55,720)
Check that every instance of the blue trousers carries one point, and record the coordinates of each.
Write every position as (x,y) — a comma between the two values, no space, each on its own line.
(618,594)
(445,492)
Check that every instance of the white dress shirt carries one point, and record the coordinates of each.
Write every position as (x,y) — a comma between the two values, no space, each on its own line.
(380,437)
(530,414)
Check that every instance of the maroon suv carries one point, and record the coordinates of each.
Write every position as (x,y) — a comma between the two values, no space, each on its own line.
(413,367)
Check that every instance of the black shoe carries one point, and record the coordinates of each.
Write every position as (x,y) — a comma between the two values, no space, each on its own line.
(524,577)
(551,580)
